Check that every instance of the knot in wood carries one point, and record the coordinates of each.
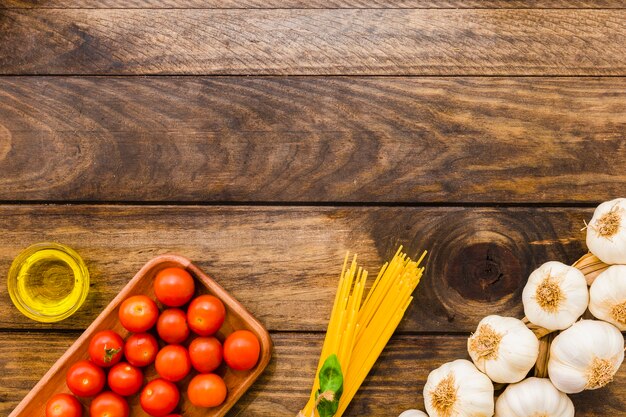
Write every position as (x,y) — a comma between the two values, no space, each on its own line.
(484,271)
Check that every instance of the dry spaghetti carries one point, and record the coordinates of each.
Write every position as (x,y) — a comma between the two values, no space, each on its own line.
(359,330)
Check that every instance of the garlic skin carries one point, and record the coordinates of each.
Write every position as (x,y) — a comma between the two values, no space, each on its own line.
(458,389)
(585,356)
(413,413)
(534,397)
(555,296)
(606,232)
(503,348)
(607,296)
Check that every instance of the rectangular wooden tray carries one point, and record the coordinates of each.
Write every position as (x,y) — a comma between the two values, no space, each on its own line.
(237,317)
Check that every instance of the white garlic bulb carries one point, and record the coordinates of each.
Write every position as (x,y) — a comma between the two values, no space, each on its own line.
(458,389)
(555,296)
(413,413)
(534,397)
(503,348)
(585,356)
(606,232)
(607,296)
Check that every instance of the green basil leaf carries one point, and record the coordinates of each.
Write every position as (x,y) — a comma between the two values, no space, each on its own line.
(331,387)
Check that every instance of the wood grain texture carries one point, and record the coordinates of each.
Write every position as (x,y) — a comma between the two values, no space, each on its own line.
(394,384)
(312,139)
(283,263)
(314,4)
(330,41)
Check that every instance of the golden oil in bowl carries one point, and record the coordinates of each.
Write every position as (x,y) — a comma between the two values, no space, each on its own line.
(48,282)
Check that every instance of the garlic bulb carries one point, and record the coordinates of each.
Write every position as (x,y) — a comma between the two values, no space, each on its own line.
(503,348)
(458,389)
(607,296)
(413,413)
(585,356)
(533,397)
(606,232)
(555,296)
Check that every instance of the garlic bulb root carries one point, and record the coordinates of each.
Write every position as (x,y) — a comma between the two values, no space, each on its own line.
(533,397)
(555,296)
(585,356)
(444,396)
(606,232)
(503,348)
(485,343)
(607,296)
(457,389)
(618,313)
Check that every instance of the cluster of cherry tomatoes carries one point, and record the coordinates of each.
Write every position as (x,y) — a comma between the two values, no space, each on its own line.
(173,287)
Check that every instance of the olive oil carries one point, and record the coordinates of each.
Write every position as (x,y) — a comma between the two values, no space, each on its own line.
(47,282)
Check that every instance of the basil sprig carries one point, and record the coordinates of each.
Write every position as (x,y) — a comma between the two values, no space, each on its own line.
(331,387)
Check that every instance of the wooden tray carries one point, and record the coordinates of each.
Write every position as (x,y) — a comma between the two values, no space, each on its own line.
(237,317)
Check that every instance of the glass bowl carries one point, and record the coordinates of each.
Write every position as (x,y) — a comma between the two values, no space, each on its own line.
(48,282)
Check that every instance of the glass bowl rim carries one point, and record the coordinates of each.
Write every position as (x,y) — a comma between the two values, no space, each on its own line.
(26,309)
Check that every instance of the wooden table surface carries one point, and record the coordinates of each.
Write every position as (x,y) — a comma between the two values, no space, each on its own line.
(264,138)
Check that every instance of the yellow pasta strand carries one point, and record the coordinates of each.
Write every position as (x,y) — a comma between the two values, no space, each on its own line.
(358,331)
(331,333)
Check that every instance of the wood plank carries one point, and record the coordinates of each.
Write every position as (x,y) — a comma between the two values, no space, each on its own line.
(311,139)
(331,41)
(282,263)
(314,4)
(395,383)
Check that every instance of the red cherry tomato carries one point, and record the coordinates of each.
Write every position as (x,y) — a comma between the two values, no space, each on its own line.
(109,404)
(172,326)
(141,349)
(207,390)
(105,348)
(173,287)
(241,350)
(124,379)
(159,398)
(206,314)
(63,405)
(173,363)
(85,379)
(138,313)
(206,354)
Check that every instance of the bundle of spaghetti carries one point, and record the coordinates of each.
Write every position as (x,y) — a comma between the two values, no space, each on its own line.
(358,331)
